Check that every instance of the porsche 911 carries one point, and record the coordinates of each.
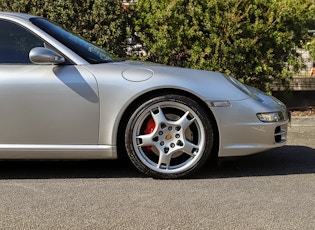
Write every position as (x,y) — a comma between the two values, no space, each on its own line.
(64,98)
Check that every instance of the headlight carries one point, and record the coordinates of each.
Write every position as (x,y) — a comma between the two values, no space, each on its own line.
(271,117)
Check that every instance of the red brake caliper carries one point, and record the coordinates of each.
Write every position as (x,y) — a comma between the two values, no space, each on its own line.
(150,128)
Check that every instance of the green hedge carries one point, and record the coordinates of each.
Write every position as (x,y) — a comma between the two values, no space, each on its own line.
(253,40)
(102,22)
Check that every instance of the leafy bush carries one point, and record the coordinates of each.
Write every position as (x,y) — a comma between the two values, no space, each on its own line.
(99,21)
(252,40)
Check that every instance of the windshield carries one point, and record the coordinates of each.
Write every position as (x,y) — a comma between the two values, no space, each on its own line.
(84,49)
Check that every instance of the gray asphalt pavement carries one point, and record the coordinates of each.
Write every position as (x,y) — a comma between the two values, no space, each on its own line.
(270,190)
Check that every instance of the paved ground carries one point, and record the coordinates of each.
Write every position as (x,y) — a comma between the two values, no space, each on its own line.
(271,190)
(302,131)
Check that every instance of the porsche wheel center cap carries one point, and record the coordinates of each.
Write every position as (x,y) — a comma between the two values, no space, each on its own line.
(168,137)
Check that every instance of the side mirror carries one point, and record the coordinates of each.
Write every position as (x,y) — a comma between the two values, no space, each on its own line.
(41,55)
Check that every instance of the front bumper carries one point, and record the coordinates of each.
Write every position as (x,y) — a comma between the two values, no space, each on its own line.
(242,133)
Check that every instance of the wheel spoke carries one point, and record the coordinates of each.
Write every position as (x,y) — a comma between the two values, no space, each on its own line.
(164,160)
(158,117)
(146,140)
(190,148)
(184,122)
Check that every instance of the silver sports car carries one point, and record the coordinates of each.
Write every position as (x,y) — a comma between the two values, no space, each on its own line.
(64,98)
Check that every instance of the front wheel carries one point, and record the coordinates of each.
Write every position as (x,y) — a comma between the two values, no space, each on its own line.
(169,136)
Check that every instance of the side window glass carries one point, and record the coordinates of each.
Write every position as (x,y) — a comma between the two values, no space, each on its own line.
(16,43)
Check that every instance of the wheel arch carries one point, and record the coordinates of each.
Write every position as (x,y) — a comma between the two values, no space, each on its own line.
(121,152)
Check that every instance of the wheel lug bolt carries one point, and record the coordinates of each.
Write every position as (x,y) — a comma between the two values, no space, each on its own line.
(177,135)
(172,145)
(170,128)
(160,133)
(162,143)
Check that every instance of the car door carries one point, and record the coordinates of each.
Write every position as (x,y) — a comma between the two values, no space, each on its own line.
(43,104)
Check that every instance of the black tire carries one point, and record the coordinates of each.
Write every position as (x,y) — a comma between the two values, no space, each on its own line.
(169,136)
